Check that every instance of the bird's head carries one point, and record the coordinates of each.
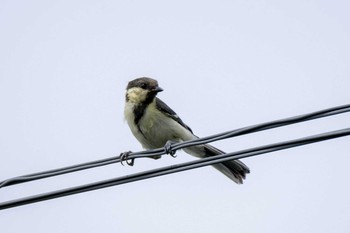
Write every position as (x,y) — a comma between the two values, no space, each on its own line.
(142,90)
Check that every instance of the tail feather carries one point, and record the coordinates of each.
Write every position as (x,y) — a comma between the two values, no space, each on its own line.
(233,169)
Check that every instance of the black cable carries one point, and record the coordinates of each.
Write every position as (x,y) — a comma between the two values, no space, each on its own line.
(176,146)
(176,168)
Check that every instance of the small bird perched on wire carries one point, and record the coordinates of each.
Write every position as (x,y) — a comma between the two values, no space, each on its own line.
(154,124)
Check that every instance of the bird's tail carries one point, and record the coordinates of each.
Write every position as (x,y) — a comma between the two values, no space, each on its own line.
(233,169)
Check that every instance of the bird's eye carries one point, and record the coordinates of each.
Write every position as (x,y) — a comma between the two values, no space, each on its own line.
(143,85)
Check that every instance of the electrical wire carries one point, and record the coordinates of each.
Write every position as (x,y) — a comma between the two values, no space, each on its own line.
(176,168)
(176,146)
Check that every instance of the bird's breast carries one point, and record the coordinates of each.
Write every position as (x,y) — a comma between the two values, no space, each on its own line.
(155,128)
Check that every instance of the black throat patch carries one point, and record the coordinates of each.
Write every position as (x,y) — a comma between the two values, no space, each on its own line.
(139,109)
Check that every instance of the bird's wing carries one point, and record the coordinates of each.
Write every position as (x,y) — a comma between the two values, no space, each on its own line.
(167,110)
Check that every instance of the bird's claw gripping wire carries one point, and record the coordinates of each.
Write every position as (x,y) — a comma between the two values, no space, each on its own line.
(124,157)
(168,148)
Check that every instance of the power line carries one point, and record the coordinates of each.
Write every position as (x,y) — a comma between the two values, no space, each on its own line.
(142,154)
(176,168)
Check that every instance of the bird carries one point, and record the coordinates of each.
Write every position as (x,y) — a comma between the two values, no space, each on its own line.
(154,124)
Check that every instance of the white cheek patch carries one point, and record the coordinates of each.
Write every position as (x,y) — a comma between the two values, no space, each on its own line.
(137,94)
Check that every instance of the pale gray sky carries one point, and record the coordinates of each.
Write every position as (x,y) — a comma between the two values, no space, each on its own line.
(64,69)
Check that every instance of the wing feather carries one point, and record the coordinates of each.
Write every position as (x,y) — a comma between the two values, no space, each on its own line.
(168,111)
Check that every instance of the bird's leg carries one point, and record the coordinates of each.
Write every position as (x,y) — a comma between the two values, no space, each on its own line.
(168,148)
(124,157)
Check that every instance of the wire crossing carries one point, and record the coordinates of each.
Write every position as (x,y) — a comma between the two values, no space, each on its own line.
(182,166)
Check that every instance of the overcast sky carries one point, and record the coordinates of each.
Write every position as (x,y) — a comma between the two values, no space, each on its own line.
(64,66)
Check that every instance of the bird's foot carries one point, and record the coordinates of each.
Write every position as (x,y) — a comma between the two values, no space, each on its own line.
(124,157)
(168,148)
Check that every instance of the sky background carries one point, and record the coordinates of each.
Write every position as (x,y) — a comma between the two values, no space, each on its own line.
(64,66)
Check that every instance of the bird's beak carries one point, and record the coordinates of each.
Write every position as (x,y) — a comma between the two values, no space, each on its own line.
(158,89)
